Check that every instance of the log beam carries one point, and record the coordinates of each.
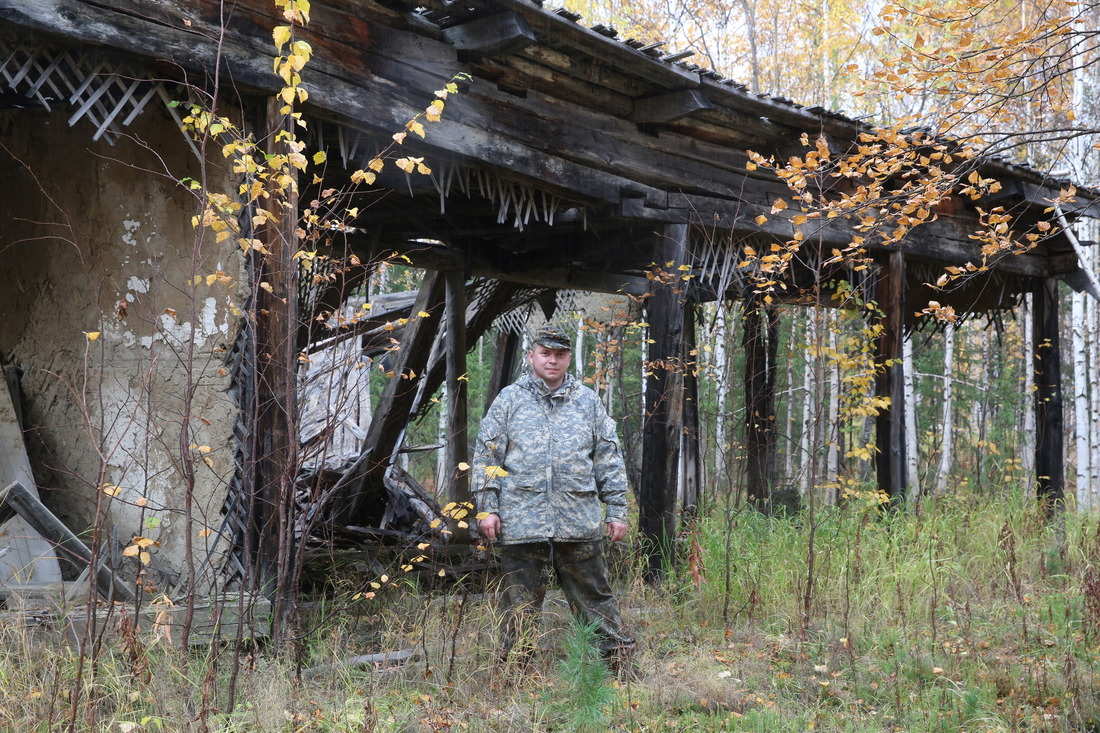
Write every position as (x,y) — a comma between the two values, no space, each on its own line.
(458,452)
(664,417)
(1049,446)
(890,460)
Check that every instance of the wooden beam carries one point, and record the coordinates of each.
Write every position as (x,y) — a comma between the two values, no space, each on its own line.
(504,364)
(691,465)
(890,460)
(391,415)
(668,107)
(1046,352)
(458,450)
(275,315)
(502,33)
(664,401)
(34,512)
(761,342)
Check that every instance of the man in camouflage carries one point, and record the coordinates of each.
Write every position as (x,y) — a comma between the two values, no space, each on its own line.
(547,456)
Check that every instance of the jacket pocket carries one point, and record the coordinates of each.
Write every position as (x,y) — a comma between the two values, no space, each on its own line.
(523,507)
(578,512)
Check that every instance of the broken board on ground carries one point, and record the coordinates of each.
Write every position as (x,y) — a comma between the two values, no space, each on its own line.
(27,561)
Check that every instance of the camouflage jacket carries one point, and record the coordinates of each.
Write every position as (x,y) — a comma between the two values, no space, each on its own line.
(560,456)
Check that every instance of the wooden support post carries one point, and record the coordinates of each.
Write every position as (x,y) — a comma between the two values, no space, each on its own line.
(275,315)
(664,400)
(69,546)
(457,448)
(691,480)
(391,415)
(504,364)
(890,461)
(1049,470)
(761,342)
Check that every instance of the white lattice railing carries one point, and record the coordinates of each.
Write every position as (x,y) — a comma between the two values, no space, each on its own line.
(99,91)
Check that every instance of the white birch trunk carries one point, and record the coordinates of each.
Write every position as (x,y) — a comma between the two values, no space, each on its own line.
(947,445)
(721,387)
(912,445)
(1081,418)
(832,461)
(806,440)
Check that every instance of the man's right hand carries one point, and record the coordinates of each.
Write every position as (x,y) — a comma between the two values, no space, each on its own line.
(489,527)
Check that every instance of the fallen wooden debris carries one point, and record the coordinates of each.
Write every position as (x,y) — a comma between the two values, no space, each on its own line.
(361,662)
(35,513)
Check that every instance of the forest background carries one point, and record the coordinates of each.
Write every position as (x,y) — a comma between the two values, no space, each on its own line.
(967,611)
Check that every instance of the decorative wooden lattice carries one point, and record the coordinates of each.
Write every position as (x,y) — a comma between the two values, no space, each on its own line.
(98,90)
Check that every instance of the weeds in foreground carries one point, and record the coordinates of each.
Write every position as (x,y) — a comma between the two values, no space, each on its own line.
(969,615)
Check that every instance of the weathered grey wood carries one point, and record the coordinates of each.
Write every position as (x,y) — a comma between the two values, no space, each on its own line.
(501,33)
(361,661)
(394,406)
(276,389)
(1047,364)
(26,557)
(669,107)
(69,546)
(664,403)
(890,461)
(761,342)
(458,449)
(692,463)
(504,365)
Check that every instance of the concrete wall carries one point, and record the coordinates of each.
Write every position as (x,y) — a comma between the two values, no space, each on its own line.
(98,238)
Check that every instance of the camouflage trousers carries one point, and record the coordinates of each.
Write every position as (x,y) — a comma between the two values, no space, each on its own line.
(581,568)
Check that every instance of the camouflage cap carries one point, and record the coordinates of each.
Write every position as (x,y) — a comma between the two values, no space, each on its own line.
(552,338)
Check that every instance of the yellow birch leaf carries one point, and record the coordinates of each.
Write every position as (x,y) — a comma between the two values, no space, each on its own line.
(495,472)
(92,335)
(281,34)
(463,466)
(319,157)
(131,551)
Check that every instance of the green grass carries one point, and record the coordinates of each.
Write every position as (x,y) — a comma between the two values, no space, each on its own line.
(967,615)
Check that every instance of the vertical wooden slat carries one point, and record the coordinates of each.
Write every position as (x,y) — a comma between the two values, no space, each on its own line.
(761,342)
(689,439)
(1046,352)
(663,408)
(504,364)
(391,414)
(276,396)
(457,446)
(891,464)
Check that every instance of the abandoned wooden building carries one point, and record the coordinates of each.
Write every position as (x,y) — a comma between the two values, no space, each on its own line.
(158,377)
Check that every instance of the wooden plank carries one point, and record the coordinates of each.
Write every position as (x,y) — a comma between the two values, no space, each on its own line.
(226,618)
(276,318)
(664,397)
(394,407)
(1049,427)
(504,365)
(458,449)
(692,464)
(25,557)
(669,107)
(68,545)
(501,33)
(890,459)
(760,340)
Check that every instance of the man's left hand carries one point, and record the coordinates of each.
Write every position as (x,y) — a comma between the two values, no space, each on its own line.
(616,531)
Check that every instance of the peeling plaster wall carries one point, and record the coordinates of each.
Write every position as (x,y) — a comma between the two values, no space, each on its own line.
(95,238)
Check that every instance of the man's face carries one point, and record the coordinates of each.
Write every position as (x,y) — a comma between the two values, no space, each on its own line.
(549,365)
